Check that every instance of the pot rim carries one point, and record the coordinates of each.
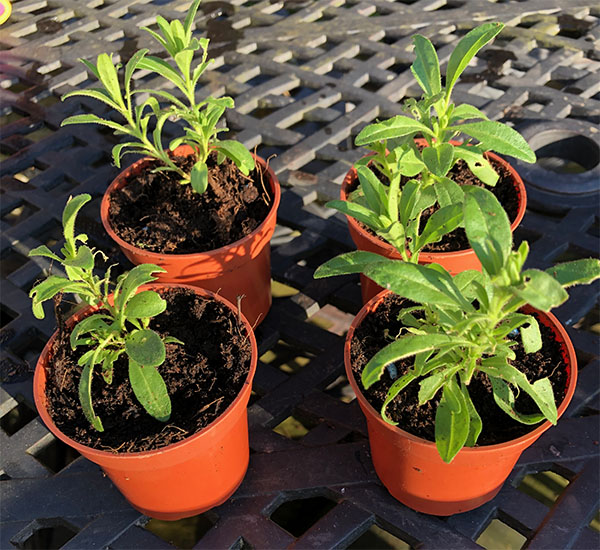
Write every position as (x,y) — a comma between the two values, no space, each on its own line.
(351,175)
(39,385)
(559,331)
(116,183)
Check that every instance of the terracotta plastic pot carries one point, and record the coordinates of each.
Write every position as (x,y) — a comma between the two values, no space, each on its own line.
(183,479)
(411,468)
(454,262)
(240,268)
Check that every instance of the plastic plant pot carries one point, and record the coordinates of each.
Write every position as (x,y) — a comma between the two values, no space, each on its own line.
(411,468)
(454,262)
(183,479)
(242,268)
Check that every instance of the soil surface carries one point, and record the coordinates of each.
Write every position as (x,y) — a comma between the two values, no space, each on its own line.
(153,211)
(504,190)
(203,377)
(419,420)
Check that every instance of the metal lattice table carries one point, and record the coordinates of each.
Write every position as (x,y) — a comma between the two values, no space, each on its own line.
(306,77)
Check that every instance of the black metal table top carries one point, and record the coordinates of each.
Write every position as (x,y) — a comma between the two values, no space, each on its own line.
(306,76)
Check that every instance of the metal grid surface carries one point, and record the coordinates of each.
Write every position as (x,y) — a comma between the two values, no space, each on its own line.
(306,77)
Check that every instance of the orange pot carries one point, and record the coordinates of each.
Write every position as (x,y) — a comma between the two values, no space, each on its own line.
(454,262)
(411,468)
(240,268)
(183,479)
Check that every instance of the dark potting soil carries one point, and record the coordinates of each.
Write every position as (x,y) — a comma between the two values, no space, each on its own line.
(380,327)
(153,211)
(203,377)
(504,190)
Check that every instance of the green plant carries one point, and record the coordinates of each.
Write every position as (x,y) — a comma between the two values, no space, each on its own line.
(464,323)
(392,209)
(201,117)
(121,325)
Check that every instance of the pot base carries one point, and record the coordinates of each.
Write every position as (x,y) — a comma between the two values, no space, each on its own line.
(448,508)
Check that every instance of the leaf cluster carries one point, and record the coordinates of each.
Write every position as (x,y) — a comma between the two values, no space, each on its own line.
(385,208)
(120,327)
(464,323)
(200,118)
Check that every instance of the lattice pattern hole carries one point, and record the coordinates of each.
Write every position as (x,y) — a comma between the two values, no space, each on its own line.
(20,212)
(49,534)
(500,536)
(16,418)
(293,427)
(376,538)
(286,358)
(10,261)
(572,154)
(298,516)
(545,487)
(183,533)
(53,453)
(341,389)
(6,315)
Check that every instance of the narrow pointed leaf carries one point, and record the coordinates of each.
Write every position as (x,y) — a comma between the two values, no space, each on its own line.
(438,158)
(199,177)
(138,276)
(109,78)
(93,119)
(448,192)
(374,190)
(505,399)
(475,423)
(95,93)
(498,137)
(394,390)
(466,49)
(235,151)
(541,290)
(531,337)
(43,250)
(452,422)
(466,112)
(85,398)
(399,349)
(426,68)
(357,211)
(478,164)
(350,262)
(392,128)
(440,223)
(576,272)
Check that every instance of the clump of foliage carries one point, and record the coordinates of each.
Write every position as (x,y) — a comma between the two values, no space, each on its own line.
(200,118)
(464,323)
(393,210)
(121,325)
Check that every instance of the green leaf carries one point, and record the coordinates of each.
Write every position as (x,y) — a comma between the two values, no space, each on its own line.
(109,78)
(138,276)
(145,347)
(162,68)
(407,207)
(440,223)
(438,158)
(452,422)
(409,163)
(189,18)
(350,262)
(95,93)
(199,177)
(72,208)
(150,390)
(505,399)
(374,190)
(431,385)
(235,151)
(399,349)
(93,119)
(466,49)
(49,288)
(394,390)
(511,322)
(478,164)
(466,112)
(426,68)
(116,151)
(448,192)
(91,67)
(531,337)
(145,304)
(576,272)
(540,391)
(498,137)
(157,37)
(356,211)
(184,60)
(178,35)
(84,259)
(43,250)
(541,290)
(465,279)
(416,282)
(487,228)
(85,398)
(93,323)
(131,66)
(475,424)
(392,128)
